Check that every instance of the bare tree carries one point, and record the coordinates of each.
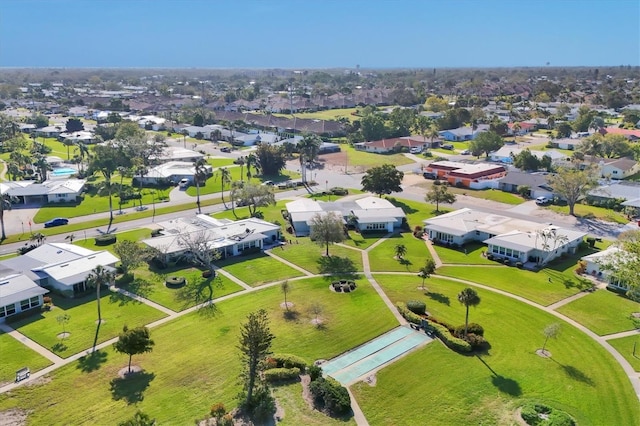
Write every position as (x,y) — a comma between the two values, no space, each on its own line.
(286,288)
(198,250)
(316,309)
(550,332)
(549,240)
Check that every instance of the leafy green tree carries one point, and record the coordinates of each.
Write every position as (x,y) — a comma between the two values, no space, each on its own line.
(625,263)
(439,193)
(616,146)
(401,121)
(525,160)
(373,127)
(271,160)
(550,332)
(383,179)
(128,130)
(255,196)
(584,119)
(39,120)
(131,255)
(436,104)
(255,345)
(133,342)
(468,297)
(427,270)
(100,276)
(74,125)
(326,229)
(563,130)
(571,184)
(486,142)
(139,419)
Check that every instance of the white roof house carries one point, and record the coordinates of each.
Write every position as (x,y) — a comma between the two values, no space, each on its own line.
(229,237)
(372,213)
(79,136)
(18,294)
(60,266)
(595,261)
(52,191)
(172,171)
(175,153)
(517,239)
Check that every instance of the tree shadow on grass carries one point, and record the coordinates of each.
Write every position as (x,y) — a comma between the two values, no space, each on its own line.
(403,206)
(439,297)
(568,282)
(131,388)
(337,267)
(199,291)
(92,361)
(575,373)
(138,286)
(291,315)
(504,384)
(59,347)
(406,263)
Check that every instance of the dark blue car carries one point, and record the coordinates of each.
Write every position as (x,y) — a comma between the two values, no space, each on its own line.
(56,222)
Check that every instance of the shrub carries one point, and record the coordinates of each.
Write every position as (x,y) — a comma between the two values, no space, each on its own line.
(314,372)
(289,361)
(490,256)
(591,241)
(339,191)
(444,323)
(281,374)
(105,239)
(47,299)
(417,229)
(27,249)
(206,274)
(539,414)
(419,234)
(451,341)
(474,340)
(218,410)
(417,307)
(331,395)
(472,328)
(407,314)
(175,281)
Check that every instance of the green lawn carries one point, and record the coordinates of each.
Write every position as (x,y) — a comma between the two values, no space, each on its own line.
(214,183)
(363,241)
(90,243)
(547,286)
(15,355)
(116,312)
(490,194)
(471,254)
(310,256)
(602,312)
(416,211)
(297,411)
(486,389)
(585,211)
(151,285)
(364,160)
(382,257)
(330,114)
(625,347)
(195,362)
(259,268)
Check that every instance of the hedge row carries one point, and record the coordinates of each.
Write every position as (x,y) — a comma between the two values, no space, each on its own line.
(105,239)
(448,339)
(289,361)
(407,314)
(281,374)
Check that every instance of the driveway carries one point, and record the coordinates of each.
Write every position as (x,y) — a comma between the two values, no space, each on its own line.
(16,220)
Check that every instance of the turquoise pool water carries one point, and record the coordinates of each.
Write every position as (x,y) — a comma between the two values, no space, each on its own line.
(63,171)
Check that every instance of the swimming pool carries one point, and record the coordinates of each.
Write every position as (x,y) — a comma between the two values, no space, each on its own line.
(63,171)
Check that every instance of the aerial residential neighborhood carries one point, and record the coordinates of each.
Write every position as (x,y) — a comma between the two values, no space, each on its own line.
(208,217)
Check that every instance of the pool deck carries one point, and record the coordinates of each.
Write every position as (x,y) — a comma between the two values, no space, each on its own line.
(368,358)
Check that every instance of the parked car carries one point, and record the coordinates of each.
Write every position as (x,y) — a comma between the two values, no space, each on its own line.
(416,150)
(58,221)
(542,201)
(268,183)
(184,183)
(225,149)
(429,175)
(465,152)
(447,146)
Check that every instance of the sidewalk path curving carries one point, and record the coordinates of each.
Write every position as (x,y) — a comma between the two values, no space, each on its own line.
(30,343)
(286,262)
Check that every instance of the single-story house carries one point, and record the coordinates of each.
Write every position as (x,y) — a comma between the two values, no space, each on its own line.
(50,191)
(18,293)
(371,214)
(27,127)
(328,148)
(80,136)
(515,239)
(632,135)
(616,190)
(228,237)
(171,172)
(175,153)
(59,266)
(388,145)
(476,176)
(504,154)
(463,133)
(525,128)
(567,143)
(49,131)
(594,262)
(536,182)
(619,168)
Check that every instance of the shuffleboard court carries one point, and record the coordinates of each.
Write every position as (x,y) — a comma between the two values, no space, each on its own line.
(352,365)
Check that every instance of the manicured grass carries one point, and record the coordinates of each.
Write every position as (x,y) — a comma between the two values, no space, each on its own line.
(417,211)
(195,362)
(330,114)
(271,213)
(363,241)
(15,355)
(625,347)
(214,183)
(150,284)
(602,312)
(364,160)
(297,411)
(585,211)
(90,243)
(322,196)
(258,268)
(486,389)
(547,286)
(382,257)
(116,312)
(471,254)
(491,195)
(543,147)
(310,256)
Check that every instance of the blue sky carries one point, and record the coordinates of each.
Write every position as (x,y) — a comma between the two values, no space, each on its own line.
(318,34)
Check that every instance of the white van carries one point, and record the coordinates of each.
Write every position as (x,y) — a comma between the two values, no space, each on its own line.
(184,183)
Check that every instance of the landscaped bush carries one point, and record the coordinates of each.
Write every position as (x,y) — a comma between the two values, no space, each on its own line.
(206,274)
(471,328)
(314,372)
(339,191)
(175,281)
(448,339)
(448,326)
(541,415)
(407,314)
(27,249)
(417,307)
(281,374)
(591,241)
(474,340)
(419,234)
(490,256)
(331,395)
(105,239)
(289,361)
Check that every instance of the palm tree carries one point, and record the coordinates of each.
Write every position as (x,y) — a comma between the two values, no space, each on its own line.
(251,161)
(235,185)
(38,237)
(432,133)
(68,143)
(225,177)
(83,152)
(184,137)
(309,147)
(400,250)
(426,271)
(13,170)
(468,297)
(241,161)
(124,172)
(99,277)
(141,171)
(199,174)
